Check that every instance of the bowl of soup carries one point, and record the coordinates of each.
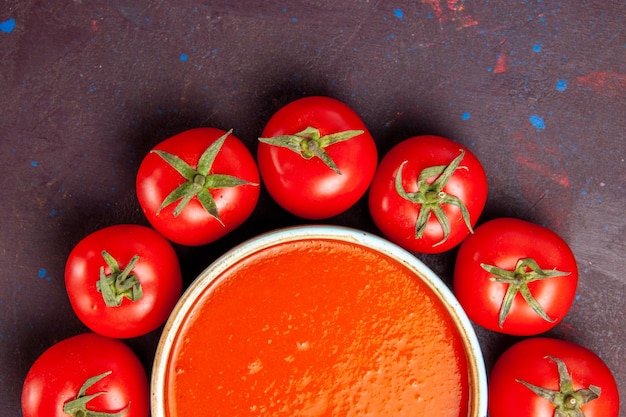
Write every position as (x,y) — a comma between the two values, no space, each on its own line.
(318,321)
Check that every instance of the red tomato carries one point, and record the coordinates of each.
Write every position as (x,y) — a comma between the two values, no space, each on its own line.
(197,186)
(501,290)
(123,280)
(67,373)
(428,193)
(316,157)
(538,375)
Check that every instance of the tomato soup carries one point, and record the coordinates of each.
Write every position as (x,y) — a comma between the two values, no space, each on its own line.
(316,327)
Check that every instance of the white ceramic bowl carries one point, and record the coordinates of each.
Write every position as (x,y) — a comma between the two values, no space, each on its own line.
(172,341)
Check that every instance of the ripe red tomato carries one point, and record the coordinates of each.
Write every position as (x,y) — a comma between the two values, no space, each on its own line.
(316,157)
(502,290)
(428,193)
(62,380)
(197,186)
(537,376)
(123,280)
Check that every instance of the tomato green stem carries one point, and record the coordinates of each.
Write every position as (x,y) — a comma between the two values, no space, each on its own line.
(566,400)
(310,143)
(430,196)
(78,406)
(119,283)
(526,270)
(199,180)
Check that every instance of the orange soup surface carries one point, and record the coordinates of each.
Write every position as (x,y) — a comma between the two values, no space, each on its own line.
(318,328)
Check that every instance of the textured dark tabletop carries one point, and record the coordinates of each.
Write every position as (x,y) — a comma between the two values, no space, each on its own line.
(535,88)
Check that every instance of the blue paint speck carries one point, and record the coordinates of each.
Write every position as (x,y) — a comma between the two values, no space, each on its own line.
(294,19)
(561,85)
(465,116)
(537,121)
(398,13)
(8,25)
(33,163)
(537,48)
(53,212)
(42,273)
(184,57)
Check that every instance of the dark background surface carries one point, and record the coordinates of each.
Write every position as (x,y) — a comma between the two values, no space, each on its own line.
(535,88)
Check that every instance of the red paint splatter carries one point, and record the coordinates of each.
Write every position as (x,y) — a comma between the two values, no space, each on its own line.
(436,6)
(453,10)
(458,8)
(541,175)
(94,25)
(569,329)
(532,153)
(610,83)
(560,178)
(502,64)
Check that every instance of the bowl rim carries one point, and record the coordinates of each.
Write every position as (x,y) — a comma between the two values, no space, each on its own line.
(211,274)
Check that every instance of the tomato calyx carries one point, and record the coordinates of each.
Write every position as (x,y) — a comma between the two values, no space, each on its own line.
(526,270)
(119,283)
(430,196)
(567,401)
(309,143)
(78,406)
(199,180)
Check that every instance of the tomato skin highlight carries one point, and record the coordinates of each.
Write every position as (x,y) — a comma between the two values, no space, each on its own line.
(502,242)
(194,226)
(157,270)
(58,374)
(527,361)
(308,188)
(396,217)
